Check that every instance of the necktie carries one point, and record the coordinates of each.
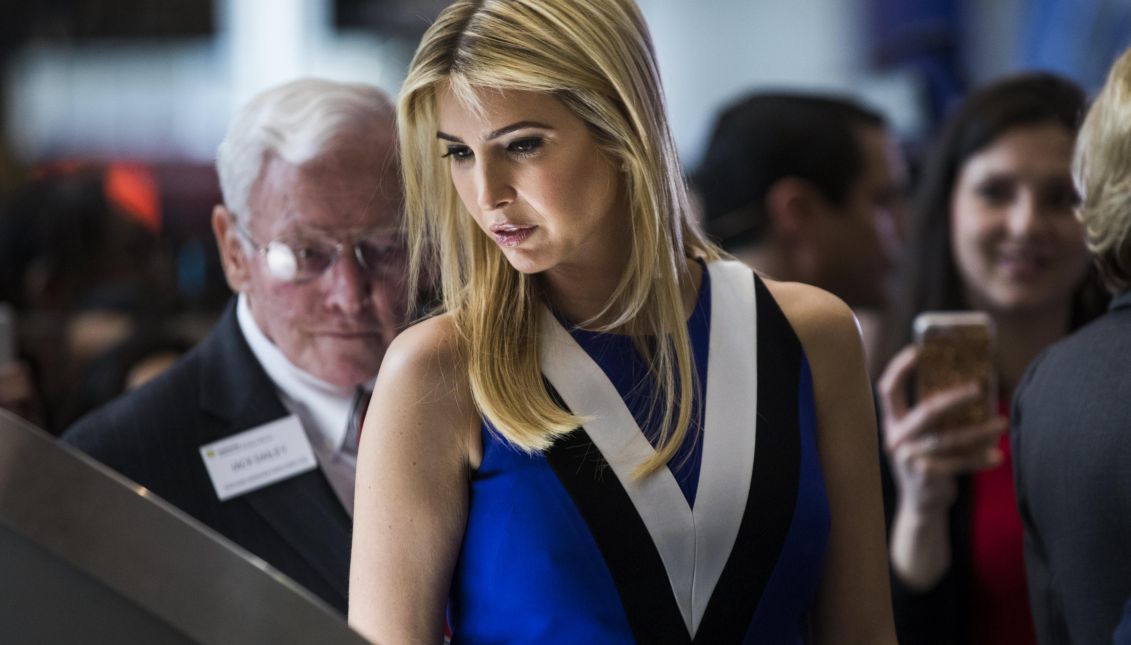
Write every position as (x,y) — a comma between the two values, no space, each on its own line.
(356,419)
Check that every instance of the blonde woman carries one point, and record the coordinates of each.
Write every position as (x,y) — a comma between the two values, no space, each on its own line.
(609,433)
(1073,409)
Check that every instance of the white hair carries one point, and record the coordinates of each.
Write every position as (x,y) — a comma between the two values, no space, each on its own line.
(297,121)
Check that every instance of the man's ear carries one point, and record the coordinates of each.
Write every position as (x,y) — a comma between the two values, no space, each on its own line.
(236,263)
(792,205)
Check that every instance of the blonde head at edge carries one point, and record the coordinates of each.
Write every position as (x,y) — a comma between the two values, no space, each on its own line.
(1102,169)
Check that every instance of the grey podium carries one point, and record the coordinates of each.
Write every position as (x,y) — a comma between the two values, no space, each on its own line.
(86,556)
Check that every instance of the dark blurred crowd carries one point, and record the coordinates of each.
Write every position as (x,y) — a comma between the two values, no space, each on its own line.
(106,279)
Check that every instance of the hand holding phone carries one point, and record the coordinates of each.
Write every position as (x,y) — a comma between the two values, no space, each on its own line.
(956,348)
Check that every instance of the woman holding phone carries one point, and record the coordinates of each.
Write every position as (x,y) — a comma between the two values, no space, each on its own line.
(566,451)
(994,231)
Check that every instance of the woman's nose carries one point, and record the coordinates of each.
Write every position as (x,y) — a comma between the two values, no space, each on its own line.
(494,189)
(1023,216)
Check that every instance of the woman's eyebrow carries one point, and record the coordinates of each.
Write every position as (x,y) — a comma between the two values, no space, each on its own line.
(495,134)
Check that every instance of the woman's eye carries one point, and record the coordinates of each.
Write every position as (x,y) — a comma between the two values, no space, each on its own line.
(525,147)
(457,153)
(997,193)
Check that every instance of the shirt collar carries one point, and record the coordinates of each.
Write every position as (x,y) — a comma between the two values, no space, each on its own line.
(322,407)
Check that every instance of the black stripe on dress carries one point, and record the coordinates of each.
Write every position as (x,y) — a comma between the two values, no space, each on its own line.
(621,535)
(773,488)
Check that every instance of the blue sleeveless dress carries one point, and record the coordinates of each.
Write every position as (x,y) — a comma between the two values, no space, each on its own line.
(726,545)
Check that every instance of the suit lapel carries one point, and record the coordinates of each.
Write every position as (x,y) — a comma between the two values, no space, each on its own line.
(302,510)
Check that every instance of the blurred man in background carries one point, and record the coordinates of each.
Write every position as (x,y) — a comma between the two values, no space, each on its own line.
(807,188)
(255,431)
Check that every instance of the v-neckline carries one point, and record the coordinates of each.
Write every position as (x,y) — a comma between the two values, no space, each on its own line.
(694,542)
(628,371)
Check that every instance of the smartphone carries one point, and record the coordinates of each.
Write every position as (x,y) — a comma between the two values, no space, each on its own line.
(7,333)
(956,348)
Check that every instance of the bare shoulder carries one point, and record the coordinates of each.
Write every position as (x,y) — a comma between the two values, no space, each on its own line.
(427,355)
(428,341)
(414,462)
(825,325)
(424,375)
(851,605)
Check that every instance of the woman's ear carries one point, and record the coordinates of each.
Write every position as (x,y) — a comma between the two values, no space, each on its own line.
(233,257)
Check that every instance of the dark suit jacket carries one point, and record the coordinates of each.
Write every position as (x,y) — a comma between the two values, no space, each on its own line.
(1071,443)
(153,435)
(1123,631)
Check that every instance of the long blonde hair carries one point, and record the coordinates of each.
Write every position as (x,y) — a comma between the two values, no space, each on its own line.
(596,57)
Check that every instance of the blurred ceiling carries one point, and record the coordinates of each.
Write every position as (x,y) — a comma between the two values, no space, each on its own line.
(97,20)
(85,20)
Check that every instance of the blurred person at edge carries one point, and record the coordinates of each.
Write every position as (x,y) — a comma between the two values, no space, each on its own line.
(992,230)
(309,236)
(808,188)
(1072,412)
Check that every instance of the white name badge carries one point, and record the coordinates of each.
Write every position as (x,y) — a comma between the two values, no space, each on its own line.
(258,457)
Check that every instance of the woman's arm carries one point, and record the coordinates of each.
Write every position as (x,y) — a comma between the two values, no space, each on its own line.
(420,443)
(925,465)
(854,601)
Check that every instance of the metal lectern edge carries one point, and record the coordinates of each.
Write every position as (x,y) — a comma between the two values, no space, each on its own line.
(152,553)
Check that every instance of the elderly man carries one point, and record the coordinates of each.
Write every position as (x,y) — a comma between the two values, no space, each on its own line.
(255,431)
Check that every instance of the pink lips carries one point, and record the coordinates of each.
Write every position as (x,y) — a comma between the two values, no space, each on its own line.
(509,235)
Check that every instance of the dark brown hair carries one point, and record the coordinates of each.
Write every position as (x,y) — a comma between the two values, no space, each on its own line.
(929,277)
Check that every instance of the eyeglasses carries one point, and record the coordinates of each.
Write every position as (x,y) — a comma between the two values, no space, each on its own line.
(303,259)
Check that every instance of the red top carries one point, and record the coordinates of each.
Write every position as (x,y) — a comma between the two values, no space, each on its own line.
(1000,606)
